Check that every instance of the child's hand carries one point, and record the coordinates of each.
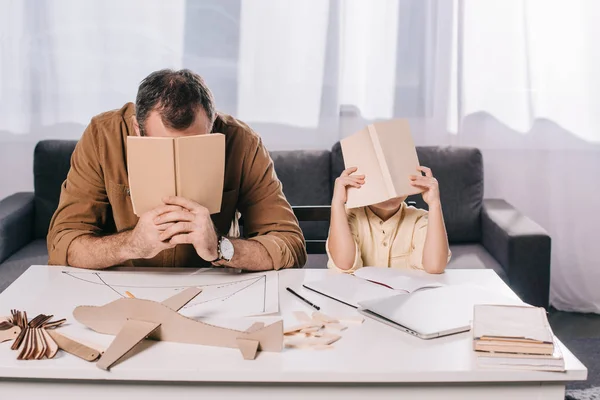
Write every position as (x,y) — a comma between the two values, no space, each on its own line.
(431,195)
(342,182)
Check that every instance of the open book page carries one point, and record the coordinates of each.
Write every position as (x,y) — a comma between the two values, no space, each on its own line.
(359,152)
(349,289)
(396,279)
(151,170)
(529,323)
(200,169)
(400,154)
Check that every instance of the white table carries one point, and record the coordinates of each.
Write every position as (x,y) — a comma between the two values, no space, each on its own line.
(371,360)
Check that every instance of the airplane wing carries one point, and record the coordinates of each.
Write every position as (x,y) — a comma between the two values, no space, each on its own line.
(132,333)
(176,302)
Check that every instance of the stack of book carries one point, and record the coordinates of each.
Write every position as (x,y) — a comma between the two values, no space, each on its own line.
(515,337)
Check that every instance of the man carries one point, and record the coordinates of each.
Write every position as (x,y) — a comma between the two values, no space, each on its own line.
(94,225)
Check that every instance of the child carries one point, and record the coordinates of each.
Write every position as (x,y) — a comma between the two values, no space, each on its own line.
(389,234)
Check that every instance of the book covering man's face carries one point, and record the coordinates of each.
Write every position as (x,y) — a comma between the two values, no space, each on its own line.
(155,126)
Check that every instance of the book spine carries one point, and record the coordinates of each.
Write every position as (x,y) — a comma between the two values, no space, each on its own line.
(176,167)
(385,172)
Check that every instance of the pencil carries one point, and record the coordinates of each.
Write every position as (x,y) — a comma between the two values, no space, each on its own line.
(303,299)
(130,295)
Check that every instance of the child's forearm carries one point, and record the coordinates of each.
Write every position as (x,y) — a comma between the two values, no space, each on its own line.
(435,251)
(341,243)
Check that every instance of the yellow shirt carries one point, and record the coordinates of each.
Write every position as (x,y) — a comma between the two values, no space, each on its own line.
(396,243)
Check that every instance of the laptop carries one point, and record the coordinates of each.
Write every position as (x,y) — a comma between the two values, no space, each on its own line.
(435,312)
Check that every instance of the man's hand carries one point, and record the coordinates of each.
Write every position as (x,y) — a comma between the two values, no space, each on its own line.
(145,241)
(431,195)
(342,182)
(191,224)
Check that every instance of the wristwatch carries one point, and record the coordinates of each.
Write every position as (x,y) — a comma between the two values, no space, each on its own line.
(225,250)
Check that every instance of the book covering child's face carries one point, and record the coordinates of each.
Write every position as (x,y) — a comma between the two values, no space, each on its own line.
(389,205)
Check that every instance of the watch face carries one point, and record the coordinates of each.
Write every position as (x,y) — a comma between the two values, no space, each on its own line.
(226,249)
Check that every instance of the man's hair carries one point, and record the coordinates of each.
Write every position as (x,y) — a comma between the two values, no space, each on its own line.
(176,95)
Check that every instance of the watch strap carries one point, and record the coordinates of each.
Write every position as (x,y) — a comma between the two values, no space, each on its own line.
(219,255)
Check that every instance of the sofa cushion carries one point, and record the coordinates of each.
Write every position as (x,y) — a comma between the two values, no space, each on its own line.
(34,253)
(305,176)
(459,172)
(474,256)
(51,163)
(464,256)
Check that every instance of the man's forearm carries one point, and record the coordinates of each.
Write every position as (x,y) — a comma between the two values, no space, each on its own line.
(249,255)
(99,252)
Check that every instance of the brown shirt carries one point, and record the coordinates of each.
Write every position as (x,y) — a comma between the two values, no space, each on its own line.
(95,198)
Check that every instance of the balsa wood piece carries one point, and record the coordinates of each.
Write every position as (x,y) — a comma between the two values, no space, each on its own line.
(336,327)
(5,324)
(248,347)
(301,316)
(26,345)
(312,329)
(178,301)
(73,347)
(40,344)
(321,347)
(352,320)
(174,327)
(319,316)
(17,343)
(132,333)
(32,340)
(311,341)
(52,347)
(95,346)
(10,333)
(316,333)
(300,327)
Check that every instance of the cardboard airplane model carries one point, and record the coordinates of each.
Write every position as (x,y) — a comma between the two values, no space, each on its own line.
(133,320)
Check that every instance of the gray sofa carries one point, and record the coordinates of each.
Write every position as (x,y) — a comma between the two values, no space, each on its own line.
(483,233)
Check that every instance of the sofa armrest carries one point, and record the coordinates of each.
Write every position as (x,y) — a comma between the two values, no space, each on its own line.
(521,247)
(16,223)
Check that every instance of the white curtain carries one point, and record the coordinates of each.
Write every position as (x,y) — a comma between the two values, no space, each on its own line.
(528,94)
(64,61)
(518,79)
(280,71)
(522,61)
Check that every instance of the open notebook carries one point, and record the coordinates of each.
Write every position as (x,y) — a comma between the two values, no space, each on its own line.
(369,283)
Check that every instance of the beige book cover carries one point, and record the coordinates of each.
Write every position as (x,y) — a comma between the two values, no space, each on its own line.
(385,153)
(512,329)
(189,166)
